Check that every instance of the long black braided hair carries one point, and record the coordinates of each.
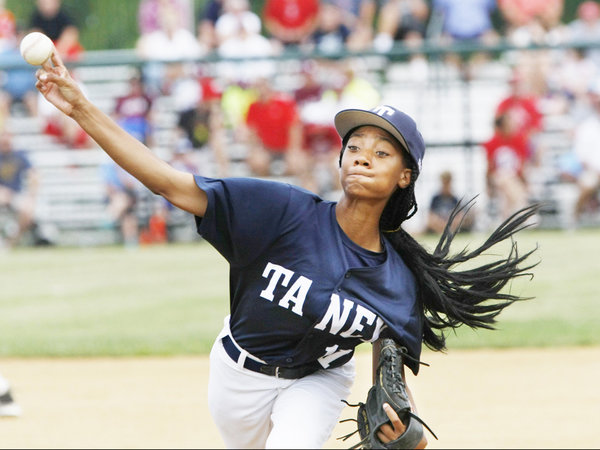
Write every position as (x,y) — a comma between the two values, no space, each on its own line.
(451,298)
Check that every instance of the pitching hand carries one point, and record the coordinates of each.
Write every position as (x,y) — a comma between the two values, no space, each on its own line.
(57,86)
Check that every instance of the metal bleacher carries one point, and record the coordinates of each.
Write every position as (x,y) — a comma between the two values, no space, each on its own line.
(71,204)
(70,200)
(71,207)
(454,117)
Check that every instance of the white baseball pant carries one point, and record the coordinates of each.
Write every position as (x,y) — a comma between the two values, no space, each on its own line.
(252,410)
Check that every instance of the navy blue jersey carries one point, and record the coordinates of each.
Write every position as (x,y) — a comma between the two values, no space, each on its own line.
(300,289)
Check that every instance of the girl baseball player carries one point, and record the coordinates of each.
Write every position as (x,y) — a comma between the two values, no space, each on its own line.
(311,279)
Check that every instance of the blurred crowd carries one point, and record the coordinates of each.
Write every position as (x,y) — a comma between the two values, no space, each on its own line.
(282,126)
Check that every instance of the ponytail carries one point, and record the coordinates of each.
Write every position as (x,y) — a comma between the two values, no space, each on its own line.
(473,297)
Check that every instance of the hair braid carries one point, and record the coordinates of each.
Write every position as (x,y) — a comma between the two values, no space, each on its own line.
(450,298)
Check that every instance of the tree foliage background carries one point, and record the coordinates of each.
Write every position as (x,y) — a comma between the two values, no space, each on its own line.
(103,24)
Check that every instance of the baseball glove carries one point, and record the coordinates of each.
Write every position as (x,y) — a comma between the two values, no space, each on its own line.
(389,388)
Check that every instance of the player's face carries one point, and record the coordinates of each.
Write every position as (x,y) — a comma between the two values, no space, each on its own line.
(373,164)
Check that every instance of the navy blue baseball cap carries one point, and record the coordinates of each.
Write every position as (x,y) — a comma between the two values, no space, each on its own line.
(392,120)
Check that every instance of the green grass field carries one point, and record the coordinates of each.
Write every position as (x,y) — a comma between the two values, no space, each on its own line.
(170,300)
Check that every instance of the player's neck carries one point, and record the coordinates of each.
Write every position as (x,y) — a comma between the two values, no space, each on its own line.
(362,227)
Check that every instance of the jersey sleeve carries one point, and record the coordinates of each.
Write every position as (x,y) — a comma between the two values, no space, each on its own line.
(244,216)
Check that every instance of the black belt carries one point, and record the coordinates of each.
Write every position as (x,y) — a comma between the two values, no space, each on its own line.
(288,373)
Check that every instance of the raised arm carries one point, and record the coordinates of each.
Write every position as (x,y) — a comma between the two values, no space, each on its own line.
(58,87)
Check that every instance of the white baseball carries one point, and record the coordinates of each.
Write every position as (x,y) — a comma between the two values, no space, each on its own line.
(36,48)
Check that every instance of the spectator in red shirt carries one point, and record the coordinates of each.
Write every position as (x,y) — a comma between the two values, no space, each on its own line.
(290,22)
(523,107)
(507,154)
(274,133)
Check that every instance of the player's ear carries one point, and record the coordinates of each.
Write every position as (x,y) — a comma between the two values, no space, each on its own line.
(405,177)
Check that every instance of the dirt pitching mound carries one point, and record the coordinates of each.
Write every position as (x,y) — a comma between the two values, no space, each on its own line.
(535,398)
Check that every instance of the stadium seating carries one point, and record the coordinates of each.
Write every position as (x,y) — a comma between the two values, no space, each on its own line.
(454,117)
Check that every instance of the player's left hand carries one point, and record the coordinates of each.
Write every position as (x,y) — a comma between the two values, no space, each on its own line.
(389,433)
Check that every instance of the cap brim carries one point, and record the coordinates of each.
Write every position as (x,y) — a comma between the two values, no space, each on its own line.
(347,120)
